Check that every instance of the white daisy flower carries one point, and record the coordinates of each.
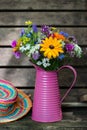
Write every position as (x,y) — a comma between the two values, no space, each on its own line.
(77,50)
(22,48)
(39,63)
(45,62)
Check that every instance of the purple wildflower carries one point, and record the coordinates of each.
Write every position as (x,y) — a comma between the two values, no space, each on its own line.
(17,54)
(14,43)
(35,28)
(72,39)
(22,32)
(45,30)
(72,53)
(69,47)
(36,56)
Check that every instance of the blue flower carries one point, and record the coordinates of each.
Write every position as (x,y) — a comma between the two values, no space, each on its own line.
(35,42)
(35,28)
(64,34)
(29,35)
(61,56)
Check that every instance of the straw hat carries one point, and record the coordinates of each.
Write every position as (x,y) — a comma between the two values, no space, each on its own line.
(14,103)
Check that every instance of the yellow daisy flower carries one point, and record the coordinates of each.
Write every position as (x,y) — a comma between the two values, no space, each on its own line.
(51,47)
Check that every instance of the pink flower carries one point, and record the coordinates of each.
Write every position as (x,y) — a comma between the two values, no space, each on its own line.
(69,47)
(14,43)
(17,54)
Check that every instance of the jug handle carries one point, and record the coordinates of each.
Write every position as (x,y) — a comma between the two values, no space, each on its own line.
(75,76)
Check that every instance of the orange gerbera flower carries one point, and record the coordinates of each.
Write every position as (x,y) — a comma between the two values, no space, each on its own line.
(59,36)
(51,47)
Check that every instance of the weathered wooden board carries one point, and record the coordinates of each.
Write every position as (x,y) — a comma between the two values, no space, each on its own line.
(26,77)
(43,4)
(40,18)
(74,108)
(27,124)
(7,35)
(73,97)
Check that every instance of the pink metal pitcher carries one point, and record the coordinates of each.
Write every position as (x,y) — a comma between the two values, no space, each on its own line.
(47,102)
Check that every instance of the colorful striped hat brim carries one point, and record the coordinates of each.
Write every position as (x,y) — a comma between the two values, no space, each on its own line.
(20,108)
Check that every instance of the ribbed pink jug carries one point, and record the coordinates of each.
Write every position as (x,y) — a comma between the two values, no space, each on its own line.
(47,102)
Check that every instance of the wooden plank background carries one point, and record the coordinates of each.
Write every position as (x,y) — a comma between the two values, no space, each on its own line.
(70,16)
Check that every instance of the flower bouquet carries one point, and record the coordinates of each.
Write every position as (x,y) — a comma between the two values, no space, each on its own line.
(47,47)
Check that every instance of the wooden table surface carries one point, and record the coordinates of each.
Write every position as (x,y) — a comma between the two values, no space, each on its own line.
(26,123)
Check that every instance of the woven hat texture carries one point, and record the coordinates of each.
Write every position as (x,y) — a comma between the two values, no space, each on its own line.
(14,103)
